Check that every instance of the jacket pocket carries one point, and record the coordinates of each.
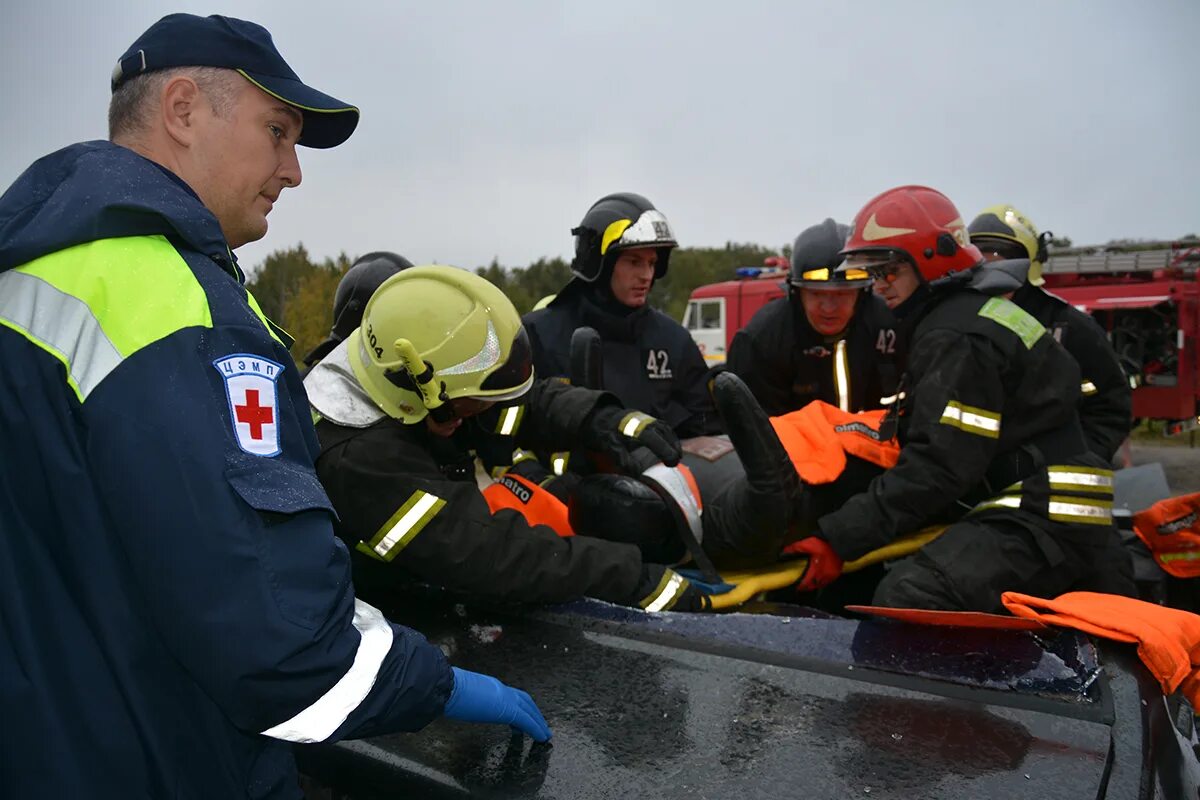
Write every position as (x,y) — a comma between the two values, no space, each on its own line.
(306,566)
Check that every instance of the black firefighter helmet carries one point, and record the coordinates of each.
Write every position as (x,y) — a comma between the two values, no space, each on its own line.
(350,300)
(619,222)
(816,256)
(357,286)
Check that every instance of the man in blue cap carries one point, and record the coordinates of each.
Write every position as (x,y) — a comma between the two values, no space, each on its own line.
(177,608)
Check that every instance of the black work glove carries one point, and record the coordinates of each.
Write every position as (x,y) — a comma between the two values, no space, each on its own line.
(663,589)
(561,486)
(618,432)
(693,600)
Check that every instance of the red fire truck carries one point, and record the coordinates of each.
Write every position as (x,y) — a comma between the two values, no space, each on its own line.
(1148,301)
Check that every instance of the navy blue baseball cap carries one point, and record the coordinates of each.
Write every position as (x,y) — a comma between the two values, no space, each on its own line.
(186,40)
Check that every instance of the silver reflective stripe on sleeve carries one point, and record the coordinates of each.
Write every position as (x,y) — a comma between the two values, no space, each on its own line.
(61,325)
(510,419)
(1077,510)
(972,420)
(1081,479)
(634,423)
(841,375)
(665,593)
(999,502)
(403,526)
(558,462)
(318,722)
(1087,387)
(520,455)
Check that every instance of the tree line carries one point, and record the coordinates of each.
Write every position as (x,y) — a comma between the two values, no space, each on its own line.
(296,291)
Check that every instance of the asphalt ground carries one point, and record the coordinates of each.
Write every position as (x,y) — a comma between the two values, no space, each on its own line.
(1181,463)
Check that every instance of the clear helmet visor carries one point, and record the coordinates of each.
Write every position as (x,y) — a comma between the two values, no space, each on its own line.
(838,278)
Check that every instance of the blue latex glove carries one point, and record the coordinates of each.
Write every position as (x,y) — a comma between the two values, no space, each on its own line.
(482,698)
(696,578)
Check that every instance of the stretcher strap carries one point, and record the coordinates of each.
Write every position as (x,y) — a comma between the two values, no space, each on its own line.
(749,583)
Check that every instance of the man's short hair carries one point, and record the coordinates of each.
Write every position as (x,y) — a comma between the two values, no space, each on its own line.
(134,101)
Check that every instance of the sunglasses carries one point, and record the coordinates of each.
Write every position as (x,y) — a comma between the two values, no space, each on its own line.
(884,271)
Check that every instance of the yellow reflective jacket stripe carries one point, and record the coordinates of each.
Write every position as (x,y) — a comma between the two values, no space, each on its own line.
(258,312)
(403,526)
(1079,510)
(1009,315)
(93,305)
(510,420)
(666,593)
(1081,479)
(971,419)
(633,423)
(841,375)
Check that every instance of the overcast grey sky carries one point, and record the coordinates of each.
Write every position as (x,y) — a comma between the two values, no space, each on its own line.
(488,128)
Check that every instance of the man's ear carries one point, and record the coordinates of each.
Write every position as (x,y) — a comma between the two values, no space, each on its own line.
(181,105)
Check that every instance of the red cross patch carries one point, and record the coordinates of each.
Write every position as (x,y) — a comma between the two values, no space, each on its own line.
(250,385)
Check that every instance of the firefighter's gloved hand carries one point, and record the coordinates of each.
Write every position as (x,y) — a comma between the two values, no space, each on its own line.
(663,589)
(532,470)
(617,432)
(824,565)
(482,698)
(693,600)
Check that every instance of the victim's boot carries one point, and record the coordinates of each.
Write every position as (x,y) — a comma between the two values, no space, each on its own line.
(746,522)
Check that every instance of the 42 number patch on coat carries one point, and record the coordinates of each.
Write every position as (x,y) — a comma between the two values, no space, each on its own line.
(658,365)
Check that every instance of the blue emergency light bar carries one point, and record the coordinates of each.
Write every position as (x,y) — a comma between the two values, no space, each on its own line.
(758,272)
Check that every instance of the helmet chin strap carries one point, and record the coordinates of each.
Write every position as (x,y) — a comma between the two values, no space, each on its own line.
(433,394)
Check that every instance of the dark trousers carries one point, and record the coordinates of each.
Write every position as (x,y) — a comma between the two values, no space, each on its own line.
(978,558)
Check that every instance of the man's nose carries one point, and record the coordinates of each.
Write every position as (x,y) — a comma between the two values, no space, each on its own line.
(289,169)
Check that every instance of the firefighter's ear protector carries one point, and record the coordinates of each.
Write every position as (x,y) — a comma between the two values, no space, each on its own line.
(586,244)
(946,246)
(1043,252)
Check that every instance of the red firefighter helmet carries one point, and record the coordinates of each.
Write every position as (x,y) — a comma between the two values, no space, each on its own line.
(918,224)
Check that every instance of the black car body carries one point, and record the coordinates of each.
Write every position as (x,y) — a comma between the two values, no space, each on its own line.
(792,703)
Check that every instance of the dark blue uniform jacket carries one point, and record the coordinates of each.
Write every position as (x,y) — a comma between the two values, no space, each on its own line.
(175,606)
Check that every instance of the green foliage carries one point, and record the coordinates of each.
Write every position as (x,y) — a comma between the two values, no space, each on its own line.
(296,293)
(689,267)
(526,285)
(277,280)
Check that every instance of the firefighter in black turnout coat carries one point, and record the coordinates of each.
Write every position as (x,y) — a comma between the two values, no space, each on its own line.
(650,361)
(1105,398)
(988,431)
(440,365)
(353,291)
(830,339)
